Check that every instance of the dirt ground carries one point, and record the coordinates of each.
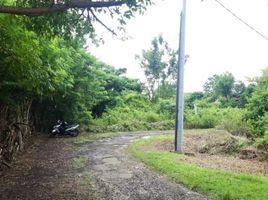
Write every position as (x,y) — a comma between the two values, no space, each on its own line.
(62,169)
(44,172)
(257,164)
(58,168)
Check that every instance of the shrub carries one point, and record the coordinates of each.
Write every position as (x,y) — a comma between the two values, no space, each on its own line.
(152,117)
(262,143)
(205,118)
(233,121)
(166,106)
(133,126)
(257,107)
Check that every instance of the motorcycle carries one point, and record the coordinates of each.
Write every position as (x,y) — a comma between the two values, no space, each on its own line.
(63,128)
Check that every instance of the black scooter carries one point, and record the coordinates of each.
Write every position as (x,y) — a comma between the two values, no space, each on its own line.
(63,128)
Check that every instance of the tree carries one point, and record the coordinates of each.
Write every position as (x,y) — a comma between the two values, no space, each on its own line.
(257,107)
(228,91)
(72,18)
(191,98)
(45,77)
(220,86)
(159,64)
(224,85)
(114,83)
(242,93)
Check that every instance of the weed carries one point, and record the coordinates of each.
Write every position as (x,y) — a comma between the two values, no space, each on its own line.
(78,162)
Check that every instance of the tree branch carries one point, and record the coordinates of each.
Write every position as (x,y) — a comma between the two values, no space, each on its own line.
(60,7)
(98,20)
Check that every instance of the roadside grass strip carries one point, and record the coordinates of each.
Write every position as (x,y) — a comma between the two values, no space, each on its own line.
(217,184)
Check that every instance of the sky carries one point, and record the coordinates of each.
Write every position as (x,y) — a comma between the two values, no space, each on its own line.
(216,41)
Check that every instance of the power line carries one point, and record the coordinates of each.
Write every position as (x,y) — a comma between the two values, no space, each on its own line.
(241,20)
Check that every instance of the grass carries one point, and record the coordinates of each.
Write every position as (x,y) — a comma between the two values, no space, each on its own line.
(218,184)
(85,178)
(78,162)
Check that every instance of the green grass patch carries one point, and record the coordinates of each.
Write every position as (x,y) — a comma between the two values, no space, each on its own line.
(218,184)
(85,178)
(78,162)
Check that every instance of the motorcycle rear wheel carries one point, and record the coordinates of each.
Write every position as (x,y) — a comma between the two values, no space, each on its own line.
(75,133)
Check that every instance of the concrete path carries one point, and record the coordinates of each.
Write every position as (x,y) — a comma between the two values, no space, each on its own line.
(117,176)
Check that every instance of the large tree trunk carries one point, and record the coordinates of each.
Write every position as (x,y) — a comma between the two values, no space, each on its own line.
(14,130)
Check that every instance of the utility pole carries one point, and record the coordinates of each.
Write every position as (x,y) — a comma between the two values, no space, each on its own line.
(180,80)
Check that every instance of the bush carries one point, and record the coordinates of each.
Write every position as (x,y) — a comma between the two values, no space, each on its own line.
(257,107)
(233,121)
(262,143)
(137,113)
(205,118)
(166,106)
(133,126)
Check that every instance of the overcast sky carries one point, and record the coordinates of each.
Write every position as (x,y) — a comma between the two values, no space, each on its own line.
(215,40)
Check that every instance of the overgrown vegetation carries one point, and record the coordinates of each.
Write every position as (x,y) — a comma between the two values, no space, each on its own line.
(216,183)
(49,76)
(225,103)
(46,74)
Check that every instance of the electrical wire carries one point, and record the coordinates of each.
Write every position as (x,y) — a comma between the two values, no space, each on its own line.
(241,20)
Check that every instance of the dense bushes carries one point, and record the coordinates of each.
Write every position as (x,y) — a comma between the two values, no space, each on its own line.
(257,108)
(230,119)
(205,118)
(134,112)
(233,121)
(242,112)
(44,79)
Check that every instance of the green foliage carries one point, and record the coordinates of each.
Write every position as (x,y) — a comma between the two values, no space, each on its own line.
(205,118)
(191,98)
(135,112)
(223,85)
(233,121)
(262,143)
(217,184)
(74,22)
(159,64)
(219,85)
(49,78)
(55,77)
(227,91)
(257,107)
(210,115)
(114,84)
(167,107)
(21,66)
(165,91)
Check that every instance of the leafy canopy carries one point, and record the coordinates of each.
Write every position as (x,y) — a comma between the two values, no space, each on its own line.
(72,18)
(159,64)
